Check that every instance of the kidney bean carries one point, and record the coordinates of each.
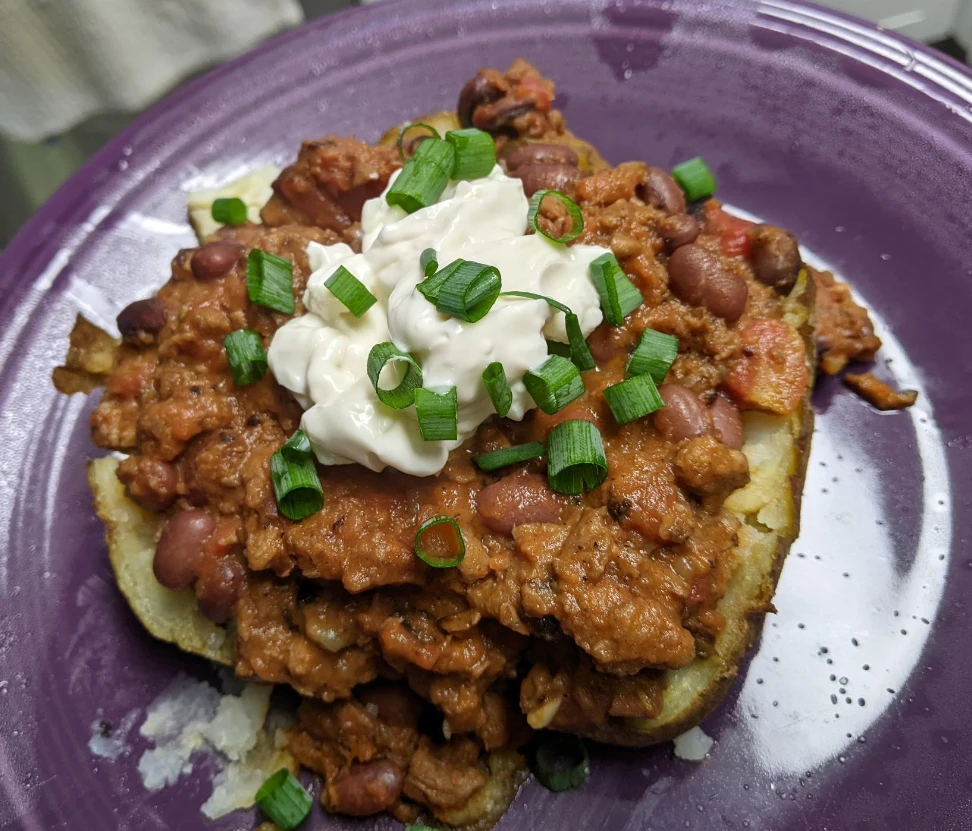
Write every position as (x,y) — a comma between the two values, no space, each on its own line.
(547,176)
(218,587)
(366,788)
(727,422)
(396,705)
(541,154)
(476,92)
(515,500)
(179,550)
(661,191)
(698,277)
(495,116)
(151,483)
(684,416)
(140,322)
(215,259)
(775,257)
(678,230)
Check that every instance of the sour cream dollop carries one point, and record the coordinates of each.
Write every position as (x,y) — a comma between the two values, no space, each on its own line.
(321,356)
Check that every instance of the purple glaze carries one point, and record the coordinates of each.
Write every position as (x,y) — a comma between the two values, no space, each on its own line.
(809,119)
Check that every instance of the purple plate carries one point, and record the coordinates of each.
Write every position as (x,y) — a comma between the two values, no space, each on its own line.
(855,713)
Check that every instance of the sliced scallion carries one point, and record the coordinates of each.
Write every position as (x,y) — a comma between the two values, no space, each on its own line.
(283,800)
(438,414)
(633,398)
(475,153)
(246,356)
(556,347)
(576,216)
(295,481)
(469,292)
(561,762)
(654,355)
(230,211)
(429,261)
(270,281)
(424,176)
(406,129)
(619,296)
(554,384)
(695,178)
(431,286)
(403,395)
(439,542)
(575,457)
(509,456)
(350,291)
(578,350)
(498,387)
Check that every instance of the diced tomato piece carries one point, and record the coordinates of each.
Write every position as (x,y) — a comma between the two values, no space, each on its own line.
(734,232)
(772,373)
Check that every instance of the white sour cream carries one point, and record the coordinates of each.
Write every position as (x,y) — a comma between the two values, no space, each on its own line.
(321,356)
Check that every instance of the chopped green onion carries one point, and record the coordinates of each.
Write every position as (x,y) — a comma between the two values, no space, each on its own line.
(475,153)
(229,211)
(295,480)
(619,296)
(695,178)
(575,457)
(498,387)
(431,286)
(576,217)
(578,351)
(561,762)
(509,456)
(246,356)
(633,398)
(469,292)
(556,347)
(439,542)
(270,281)
(350,291)
(415,126)
(554,384)
(403,395)
(429,261)
(283,800)
(424,176)
(654,355)
(438,414)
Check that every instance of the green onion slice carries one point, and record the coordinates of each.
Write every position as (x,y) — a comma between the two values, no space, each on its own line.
(429,261)
(295,480)
(229,211)
(578,350)
(431,286)
(283,800)
(554,384)
(695,178)
(403,395)
(270,281)
(576,217)
(509,456)
(619,296)
(424,176)
(475,153)
(469,292)
(439,542)
(555,347)
(498,387)
(246,356)
(438,414)
(654,355)
(633,398)
(415,126)
(350,291)
(561,762)
(575,457)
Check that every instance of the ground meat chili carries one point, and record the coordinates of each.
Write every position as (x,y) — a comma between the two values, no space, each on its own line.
(564,610)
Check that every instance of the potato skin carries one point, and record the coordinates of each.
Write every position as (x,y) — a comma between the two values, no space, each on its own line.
(705,700)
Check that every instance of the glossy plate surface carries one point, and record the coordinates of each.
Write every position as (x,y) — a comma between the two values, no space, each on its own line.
(855,713)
